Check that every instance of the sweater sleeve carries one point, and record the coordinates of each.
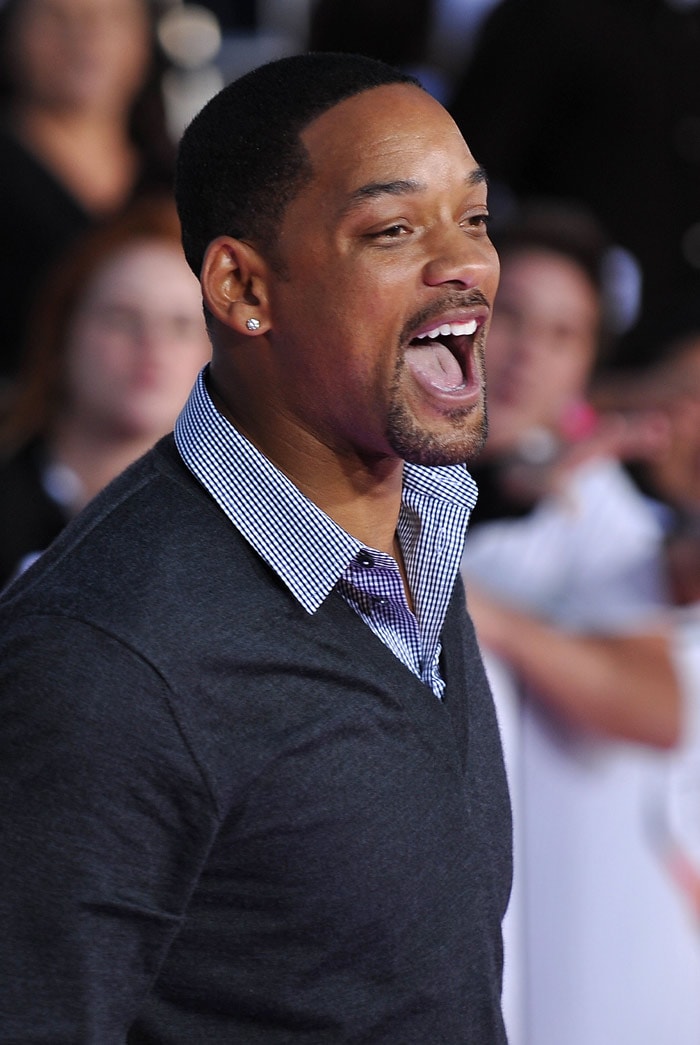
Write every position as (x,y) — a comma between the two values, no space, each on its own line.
(106,821)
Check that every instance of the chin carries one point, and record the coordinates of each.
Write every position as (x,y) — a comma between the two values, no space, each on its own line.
(459,443)
(149,426)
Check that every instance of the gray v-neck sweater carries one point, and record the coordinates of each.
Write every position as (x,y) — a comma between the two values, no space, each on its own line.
(225,820)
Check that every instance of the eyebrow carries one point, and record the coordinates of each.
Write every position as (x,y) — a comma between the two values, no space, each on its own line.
(375,189)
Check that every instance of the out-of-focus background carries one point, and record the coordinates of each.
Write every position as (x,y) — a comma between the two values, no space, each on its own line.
(586,116)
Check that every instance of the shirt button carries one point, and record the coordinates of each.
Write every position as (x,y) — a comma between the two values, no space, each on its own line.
(365,559)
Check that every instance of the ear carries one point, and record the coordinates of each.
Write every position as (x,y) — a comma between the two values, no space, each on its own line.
(234,285)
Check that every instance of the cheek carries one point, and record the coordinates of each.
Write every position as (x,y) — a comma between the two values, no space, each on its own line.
(127,55)
(94,360)
(496,355)
(566,370)
(184,363)
(34,61)
(339,325)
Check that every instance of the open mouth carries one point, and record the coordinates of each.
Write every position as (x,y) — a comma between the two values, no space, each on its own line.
(441,357)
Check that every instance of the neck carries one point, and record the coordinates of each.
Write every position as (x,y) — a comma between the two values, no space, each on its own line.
(361,493)
(32,120)
(89,151)
(364,498)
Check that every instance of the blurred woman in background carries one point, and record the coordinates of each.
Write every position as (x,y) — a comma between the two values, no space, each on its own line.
(82,130)
(115,348)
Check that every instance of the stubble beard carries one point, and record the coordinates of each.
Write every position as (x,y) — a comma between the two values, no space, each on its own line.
(415,445)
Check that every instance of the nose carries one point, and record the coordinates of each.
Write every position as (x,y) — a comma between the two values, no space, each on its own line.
(465,258)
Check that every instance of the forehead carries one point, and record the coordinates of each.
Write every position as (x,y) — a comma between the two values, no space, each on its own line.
(530,270)
(142,269)
(382,134)
(69,8)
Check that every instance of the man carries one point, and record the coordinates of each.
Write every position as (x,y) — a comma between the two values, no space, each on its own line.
(251,774)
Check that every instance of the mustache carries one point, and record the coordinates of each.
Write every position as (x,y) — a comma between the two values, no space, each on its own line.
(454,300)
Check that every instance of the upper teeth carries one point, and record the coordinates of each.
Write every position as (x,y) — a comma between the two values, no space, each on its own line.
(457,329)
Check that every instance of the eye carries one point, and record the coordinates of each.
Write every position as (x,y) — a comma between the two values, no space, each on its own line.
(394,231)
(478,222)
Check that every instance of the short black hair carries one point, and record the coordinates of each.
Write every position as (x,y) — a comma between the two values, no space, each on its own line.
(561,226)
(241,160)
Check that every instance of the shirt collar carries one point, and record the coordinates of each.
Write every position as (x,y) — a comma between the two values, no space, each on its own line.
(303,545)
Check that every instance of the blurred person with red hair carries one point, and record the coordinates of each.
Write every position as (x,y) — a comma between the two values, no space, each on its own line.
(114,350)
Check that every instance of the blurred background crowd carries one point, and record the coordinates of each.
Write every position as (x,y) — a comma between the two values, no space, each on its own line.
(582,566)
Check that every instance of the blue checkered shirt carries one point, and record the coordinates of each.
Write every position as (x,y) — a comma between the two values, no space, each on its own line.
(313,555)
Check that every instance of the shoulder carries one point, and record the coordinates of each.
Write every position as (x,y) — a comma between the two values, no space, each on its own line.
(156,565)
(603,489)
(154,536)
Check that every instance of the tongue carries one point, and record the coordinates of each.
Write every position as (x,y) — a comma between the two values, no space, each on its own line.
(434,366)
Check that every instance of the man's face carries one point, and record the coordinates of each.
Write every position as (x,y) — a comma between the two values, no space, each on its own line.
(379,320)
(542,344)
